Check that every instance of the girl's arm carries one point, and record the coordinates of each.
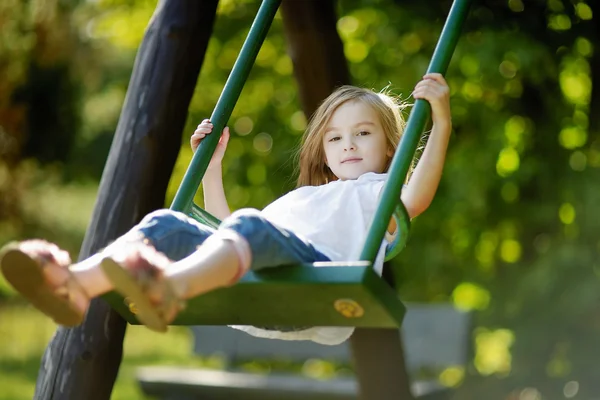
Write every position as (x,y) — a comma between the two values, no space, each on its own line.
(215,201)
(424,181)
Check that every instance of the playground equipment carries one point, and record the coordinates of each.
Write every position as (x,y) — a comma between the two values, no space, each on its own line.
(334,294)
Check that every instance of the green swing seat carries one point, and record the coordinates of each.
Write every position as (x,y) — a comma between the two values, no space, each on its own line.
(320,294)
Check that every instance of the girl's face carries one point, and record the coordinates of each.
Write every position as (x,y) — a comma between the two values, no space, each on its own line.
(354,141)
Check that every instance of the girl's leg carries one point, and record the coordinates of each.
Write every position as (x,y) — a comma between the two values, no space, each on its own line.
(244,241)
(43,273)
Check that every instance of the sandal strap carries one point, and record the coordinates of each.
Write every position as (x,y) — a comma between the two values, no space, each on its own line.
(45,253)
(147,266)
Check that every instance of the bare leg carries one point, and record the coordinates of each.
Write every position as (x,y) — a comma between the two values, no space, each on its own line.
(215,264)
(157,285)
(90,276)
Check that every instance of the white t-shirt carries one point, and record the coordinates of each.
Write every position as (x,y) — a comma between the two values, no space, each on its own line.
(335,219)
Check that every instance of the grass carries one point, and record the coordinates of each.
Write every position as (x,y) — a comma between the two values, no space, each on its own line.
(24,334)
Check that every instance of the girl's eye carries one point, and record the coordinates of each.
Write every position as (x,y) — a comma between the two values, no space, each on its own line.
(363,133)
(334,139)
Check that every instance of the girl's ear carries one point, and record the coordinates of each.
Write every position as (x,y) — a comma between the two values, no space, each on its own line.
(390,152)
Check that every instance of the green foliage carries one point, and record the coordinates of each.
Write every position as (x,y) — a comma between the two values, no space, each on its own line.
(513,230)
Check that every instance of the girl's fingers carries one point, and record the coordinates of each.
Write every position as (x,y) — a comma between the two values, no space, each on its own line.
(436,77)
(429,83)
(430,94)
(203,129)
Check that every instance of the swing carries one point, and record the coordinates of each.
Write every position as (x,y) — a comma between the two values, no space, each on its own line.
(335,293)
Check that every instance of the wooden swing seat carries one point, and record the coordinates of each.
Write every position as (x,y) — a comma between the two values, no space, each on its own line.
(320,294)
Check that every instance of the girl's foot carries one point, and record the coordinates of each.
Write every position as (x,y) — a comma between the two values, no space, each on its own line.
(39,271)
(136,272)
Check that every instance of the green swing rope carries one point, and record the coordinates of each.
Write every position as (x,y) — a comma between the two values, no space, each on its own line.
(184,198)
(408,145)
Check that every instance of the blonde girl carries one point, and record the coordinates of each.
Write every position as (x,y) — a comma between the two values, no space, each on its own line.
(169,257)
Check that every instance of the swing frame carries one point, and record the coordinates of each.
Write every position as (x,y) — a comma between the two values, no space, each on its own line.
(319,294)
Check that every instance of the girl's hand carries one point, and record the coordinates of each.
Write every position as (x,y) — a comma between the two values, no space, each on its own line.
(435,90)
(205,128)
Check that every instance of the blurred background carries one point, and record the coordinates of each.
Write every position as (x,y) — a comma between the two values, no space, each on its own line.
(512,233)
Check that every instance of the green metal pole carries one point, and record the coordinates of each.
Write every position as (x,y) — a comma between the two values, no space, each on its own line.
(412,133)
(231,92)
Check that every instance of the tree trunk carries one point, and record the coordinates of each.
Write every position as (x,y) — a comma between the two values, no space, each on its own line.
(315,48)
(317,53)
(83,362)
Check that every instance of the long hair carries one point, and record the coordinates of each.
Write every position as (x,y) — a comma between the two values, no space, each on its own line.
(312,170)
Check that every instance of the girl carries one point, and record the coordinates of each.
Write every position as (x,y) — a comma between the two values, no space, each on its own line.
(168,257)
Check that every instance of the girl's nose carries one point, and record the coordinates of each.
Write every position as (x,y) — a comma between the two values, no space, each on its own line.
(349,145)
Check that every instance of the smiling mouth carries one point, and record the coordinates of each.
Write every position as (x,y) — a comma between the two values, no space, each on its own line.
(351,160)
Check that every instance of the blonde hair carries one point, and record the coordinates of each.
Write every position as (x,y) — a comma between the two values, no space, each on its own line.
(313,171)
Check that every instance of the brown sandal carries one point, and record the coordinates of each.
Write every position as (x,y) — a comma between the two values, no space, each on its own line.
(137,276)
(23,264)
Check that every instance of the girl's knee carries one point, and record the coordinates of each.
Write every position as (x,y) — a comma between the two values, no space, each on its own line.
(162,215)
(246,221)
(245,213)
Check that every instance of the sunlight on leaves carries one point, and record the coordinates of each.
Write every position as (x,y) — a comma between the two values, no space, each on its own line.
(572,137)
(508,161)
(492,349)
(566,213)
(514,130)
(298,121)
(243,125)
(452,376)
(470,296)
(124,26)
(318,369)
(349,26)
(469,65)
(356,50)
(257,174)
(486,248)
(584,47)
(267,54)
(411,43)
(578,161)
(555,5)
(507,69)
(575,81)
(516,5)
(583,11)
(559,22)
(263,143)
(284,65)
(472,91)
(510,250)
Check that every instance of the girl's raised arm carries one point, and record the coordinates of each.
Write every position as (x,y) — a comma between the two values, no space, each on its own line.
(425,179)
(215,201)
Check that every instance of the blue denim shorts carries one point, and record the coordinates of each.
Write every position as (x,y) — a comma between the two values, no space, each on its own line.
(177,236)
